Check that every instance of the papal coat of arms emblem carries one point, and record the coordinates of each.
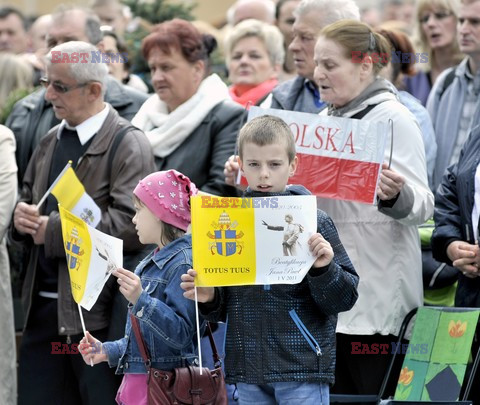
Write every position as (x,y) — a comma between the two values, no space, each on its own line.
(73,250)
(227,238)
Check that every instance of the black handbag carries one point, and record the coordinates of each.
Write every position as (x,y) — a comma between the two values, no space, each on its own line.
(184,385)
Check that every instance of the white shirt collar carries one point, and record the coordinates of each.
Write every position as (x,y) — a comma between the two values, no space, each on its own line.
(88,128)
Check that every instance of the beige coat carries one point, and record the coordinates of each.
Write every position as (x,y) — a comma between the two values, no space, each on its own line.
(8,196)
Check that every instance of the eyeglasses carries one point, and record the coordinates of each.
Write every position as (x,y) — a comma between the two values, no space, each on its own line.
(439,15)
(59,87)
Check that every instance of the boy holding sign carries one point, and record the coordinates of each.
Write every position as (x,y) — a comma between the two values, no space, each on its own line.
(280,344)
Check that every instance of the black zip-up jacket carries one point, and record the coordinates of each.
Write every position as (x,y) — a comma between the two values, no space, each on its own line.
(454,203)
(287,332)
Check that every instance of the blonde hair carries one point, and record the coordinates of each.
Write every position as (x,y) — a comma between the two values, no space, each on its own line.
(356,36)
(269,34)
(420,40)
(17,74)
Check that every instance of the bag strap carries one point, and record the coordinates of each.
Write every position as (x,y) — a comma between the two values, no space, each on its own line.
(447,82)
(116,142)
(217,362)
(144,351)
(361,114)
(140,341)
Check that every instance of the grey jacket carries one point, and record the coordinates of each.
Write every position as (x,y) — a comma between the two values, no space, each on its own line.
(445,107)
(32,117)
(294,95)
(112,192)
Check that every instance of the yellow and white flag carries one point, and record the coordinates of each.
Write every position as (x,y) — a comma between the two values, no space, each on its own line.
(91,257)
(264,240)
(71,195)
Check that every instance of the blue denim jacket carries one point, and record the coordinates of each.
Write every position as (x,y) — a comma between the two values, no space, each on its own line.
(166,317)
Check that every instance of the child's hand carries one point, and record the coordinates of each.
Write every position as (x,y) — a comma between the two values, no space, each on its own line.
(231,171)
(130,284)
(204,294)
(390,183)
(321,249)
(91,350)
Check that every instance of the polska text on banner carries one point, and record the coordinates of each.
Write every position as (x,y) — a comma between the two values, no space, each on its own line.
(261,240)
(71,194)
(91,257)
(338,157)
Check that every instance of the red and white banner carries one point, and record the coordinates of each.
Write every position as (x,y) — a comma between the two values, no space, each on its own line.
(338,158)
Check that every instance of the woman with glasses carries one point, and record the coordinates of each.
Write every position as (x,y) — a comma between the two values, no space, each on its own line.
(436,32)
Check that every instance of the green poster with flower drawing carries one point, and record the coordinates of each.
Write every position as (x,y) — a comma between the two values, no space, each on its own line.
(454,337)
(437,374)
(412,380)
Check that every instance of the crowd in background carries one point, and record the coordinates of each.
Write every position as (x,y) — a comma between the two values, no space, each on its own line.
(181,90)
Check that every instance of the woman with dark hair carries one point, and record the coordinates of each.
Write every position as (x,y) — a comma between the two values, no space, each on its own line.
(191,122)
(119,62)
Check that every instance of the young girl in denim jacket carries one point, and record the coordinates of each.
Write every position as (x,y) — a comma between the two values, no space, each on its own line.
(166,318)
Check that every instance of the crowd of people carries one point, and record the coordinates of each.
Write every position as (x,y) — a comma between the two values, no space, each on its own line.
(70,91)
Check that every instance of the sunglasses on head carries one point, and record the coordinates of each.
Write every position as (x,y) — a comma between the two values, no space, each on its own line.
(58,86)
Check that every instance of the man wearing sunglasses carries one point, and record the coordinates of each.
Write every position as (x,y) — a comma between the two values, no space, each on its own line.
(33,116)
(454,102)
(88,131)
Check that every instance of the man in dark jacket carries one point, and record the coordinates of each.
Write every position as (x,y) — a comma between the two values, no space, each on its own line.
(33,116)
(109,166)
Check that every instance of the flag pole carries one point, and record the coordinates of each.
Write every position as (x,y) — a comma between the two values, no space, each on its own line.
(83,327)
(390,123)
(42,200)
(198,332)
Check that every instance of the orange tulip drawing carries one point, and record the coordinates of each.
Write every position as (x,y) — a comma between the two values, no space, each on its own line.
(457,329)
(404,389)
(406,376)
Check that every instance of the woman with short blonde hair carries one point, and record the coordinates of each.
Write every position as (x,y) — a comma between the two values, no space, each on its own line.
(254,56)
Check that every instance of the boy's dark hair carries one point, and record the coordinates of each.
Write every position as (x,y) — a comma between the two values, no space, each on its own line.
(169,232)
(267,130)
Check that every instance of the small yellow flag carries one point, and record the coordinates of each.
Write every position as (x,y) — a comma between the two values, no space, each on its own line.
(70,193)
(78,249)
